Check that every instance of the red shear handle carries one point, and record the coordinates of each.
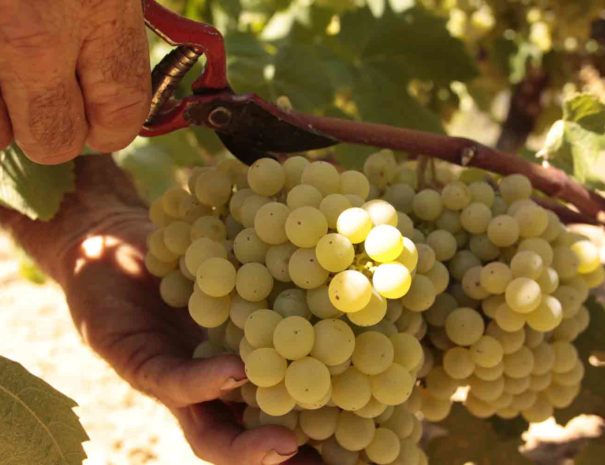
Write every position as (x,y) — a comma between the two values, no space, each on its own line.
(204,38)
(191,39)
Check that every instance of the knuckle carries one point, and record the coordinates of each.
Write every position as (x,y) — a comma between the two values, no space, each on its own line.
(44,156)
(125,113)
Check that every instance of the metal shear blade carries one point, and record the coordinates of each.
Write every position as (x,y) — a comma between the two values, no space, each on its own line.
(249,127)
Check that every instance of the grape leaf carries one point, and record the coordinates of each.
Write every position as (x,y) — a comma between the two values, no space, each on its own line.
(32,189)
(422,41)
(301,75)
(471,439)
(151,168)
(37,423)
(576,143)
(591,399)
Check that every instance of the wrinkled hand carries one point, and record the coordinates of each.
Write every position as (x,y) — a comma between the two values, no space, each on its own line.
(117,309)
(72,72)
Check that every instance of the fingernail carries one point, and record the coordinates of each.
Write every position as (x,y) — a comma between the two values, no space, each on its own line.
(233,383)
(273,458)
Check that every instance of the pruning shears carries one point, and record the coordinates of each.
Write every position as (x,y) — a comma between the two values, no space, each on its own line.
(248,126)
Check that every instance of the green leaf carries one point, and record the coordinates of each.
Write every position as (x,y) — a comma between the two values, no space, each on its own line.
(32,189)
(470,439)
(422,41)
(380,98)
(576,143)
(587,111)
(151,168)
(247,59)
(37,423)
(301,74)
(591,399)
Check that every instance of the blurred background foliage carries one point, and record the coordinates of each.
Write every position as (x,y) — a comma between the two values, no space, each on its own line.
(498,71)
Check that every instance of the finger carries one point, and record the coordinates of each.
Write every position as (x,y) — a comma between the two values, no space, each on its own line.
(37,62)
(214,436)
(6,133)
(182,382)
(114,73)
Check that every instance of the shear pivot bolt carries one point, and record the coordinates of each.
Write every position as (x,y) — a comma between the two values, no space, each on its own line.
(219,117)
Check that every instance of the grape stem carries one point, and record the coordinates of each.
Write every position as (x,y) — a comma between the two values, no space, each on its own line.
(466,152)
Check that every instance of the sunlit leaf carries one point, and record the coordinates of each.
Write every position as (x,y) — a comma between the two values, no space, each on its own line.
(37,422)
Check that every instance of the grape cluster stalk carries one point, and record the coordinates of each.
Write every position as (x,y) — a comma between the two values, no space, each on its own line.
(362,303)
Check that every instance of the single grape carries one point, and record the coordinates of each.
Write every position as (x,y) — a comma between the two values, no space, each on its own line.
(304,269)
(515,187)
(293,337)
(482,192)
(270,223)
(519,364)
(476,217)
(319,424)
(456,195)
(384,447)
(439,276)
(523,295)
(265,367)
(277,260)
(318,301)
(464,326)
(354,223)
(275,400)
(350,291)
(381,212)
(259,327)
(266,177)
(392,280)
(443,244)
(332,206)
(321,175)
(305,226)
(334,342)
(175,289)
(547,316)
(253,282)
(351,390)
(427,205)
(213,188)
(503,230)
(354,182)
(216,277)
(494,277)
(335,252)
(421,294)
(372,313)
(458,363)
(307,380)
(353,432)
(293,168)
(373,353)
(304,195)
(248,247)
(486,352)
(400,196)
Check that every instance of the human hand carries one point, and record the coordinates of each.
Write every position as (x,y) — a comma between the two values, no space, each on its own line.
(116,306)
(72,72)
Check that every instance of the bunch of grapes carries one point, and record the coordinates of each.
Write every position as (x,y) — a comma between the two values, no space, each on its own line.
(361,303)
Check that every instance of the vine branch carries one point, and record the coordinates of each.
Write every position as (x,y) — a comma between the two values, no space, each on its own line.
(466,152)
